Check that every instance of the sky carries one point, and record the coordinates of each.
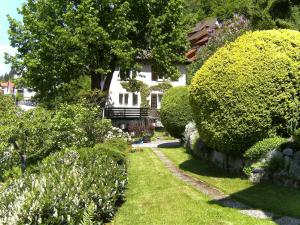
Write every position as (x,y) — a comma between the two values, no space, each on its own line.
(7,7)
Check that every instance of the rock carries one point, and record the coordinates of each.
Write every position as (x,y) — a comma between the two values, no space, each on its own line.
(258,170)
(258,175)
(274,154)
(287,163)
(219,159)
(297,156)
(295,166)
(280,177)
(288,152)
(235,164)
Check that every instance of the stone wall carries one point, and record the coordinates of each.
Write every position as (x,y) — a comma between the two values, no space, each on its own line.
(228,162)
(288,175)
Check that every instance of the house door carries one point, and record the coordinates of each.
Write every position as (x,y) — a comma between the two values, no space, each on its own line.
(153,101)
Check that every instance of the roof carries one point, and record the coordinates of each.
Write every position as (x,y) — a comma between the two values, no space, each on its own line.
(199,36)
(7,84)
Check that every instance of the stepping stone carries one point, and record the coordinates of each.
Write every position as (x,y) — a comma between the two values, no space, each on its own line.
(257,213)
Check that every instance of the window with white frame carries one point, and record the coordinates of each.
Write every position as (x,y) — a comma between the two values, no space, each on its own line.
(135,99)
(123,99)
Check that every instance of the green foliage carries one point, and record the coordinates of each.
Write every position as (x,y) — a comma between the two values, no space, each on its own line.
(64,187)
(175,111)
(248,90)
(88,215)
(28,137)
(93,38)
(296,137)
(263,14)
(261,148)
(139,86)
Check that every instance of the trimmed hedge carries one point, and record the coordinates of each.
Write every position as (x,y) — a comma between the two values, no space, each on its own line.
(176,111)
(65,185)
(261,148)
(248,90)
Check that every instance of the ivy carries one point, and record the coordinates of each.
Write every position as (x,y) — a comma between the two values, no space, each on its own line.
(139,86)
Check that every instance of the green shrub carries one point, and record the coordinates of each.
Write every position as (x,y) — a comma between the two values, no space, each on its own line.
(28,137)
(261,148)
(248,90)
(175,111)
(296,136)
(64,187)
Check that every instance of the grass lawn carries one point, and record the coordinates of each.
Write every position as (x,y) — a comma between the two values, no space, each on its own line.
(155,196)
(274,198)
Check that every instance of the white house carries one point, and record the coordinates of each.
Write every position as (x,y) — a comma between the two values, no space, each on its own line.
(125,108)
(7,88)
(120,98)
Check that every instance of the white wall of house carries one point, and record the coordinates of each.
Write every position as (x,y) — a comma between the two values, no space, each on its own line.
(128,98)
(28,94)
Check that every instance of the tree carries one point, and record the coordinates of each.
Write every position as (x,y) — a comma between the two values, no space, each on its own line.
(263,14)
(59,41)
(8,76)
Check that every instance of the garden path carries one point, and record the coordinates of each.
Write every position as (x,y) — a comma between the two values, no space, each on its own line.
(218,196)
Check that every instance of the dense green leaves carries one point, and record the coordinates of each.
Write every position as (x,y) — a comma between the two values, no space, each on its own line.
(64,186)
(248,90)
(175,111)
(263,14)
(261,148)
(60,41)
(28,137)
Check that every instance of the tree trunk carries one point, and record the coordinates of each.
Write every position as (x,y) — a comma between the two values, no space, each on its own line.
(101,82)
(23,162)
(22,156)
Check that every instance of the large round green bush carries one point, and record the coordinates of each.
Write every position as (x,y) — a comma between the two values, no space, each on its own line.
(248,90)
(175,111)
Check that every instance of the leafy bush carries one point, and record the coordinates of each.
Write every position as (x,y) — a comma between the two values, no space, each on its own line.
(248,90)
(261,148)
(175,111)
(28,137)
(296,136)
(64,188)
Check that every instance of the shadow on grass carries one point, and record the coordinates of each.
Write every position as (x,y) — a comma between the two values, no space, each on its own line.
(265,196)
(173,144)
(204,168)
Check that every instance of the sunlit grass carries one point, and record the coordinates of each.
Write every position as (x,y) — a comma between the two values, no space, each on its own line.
(156,197)
(278,199)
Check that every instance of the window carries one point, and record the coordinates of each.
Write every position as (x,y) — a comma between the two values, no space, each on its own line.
(160,98)
(134,99)
(126,99)
(154,76)
(123,99)
(120,99)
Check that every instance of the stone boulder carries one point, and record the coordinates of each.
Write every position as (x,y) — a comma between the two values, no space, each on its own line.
(274,154)
(295,166)
(259,175)
(288,152)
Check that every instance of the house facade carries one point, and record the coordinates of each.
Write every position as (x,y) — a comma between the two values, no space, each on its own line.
(123,106)
(7,88)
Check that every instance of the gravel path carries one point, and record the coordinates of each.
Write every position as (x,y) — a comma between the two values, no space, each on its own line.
(217,196)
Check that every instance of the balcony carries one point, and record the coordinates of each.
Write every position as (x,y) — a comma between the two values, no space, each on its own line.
(126,113)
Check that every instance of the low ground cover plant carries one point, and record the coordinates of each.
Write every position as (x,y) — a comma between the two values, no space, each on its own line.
(65,185)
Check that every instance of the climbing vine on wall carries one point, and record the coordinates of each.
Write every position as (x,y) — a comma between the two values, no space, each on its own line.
(139,86)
